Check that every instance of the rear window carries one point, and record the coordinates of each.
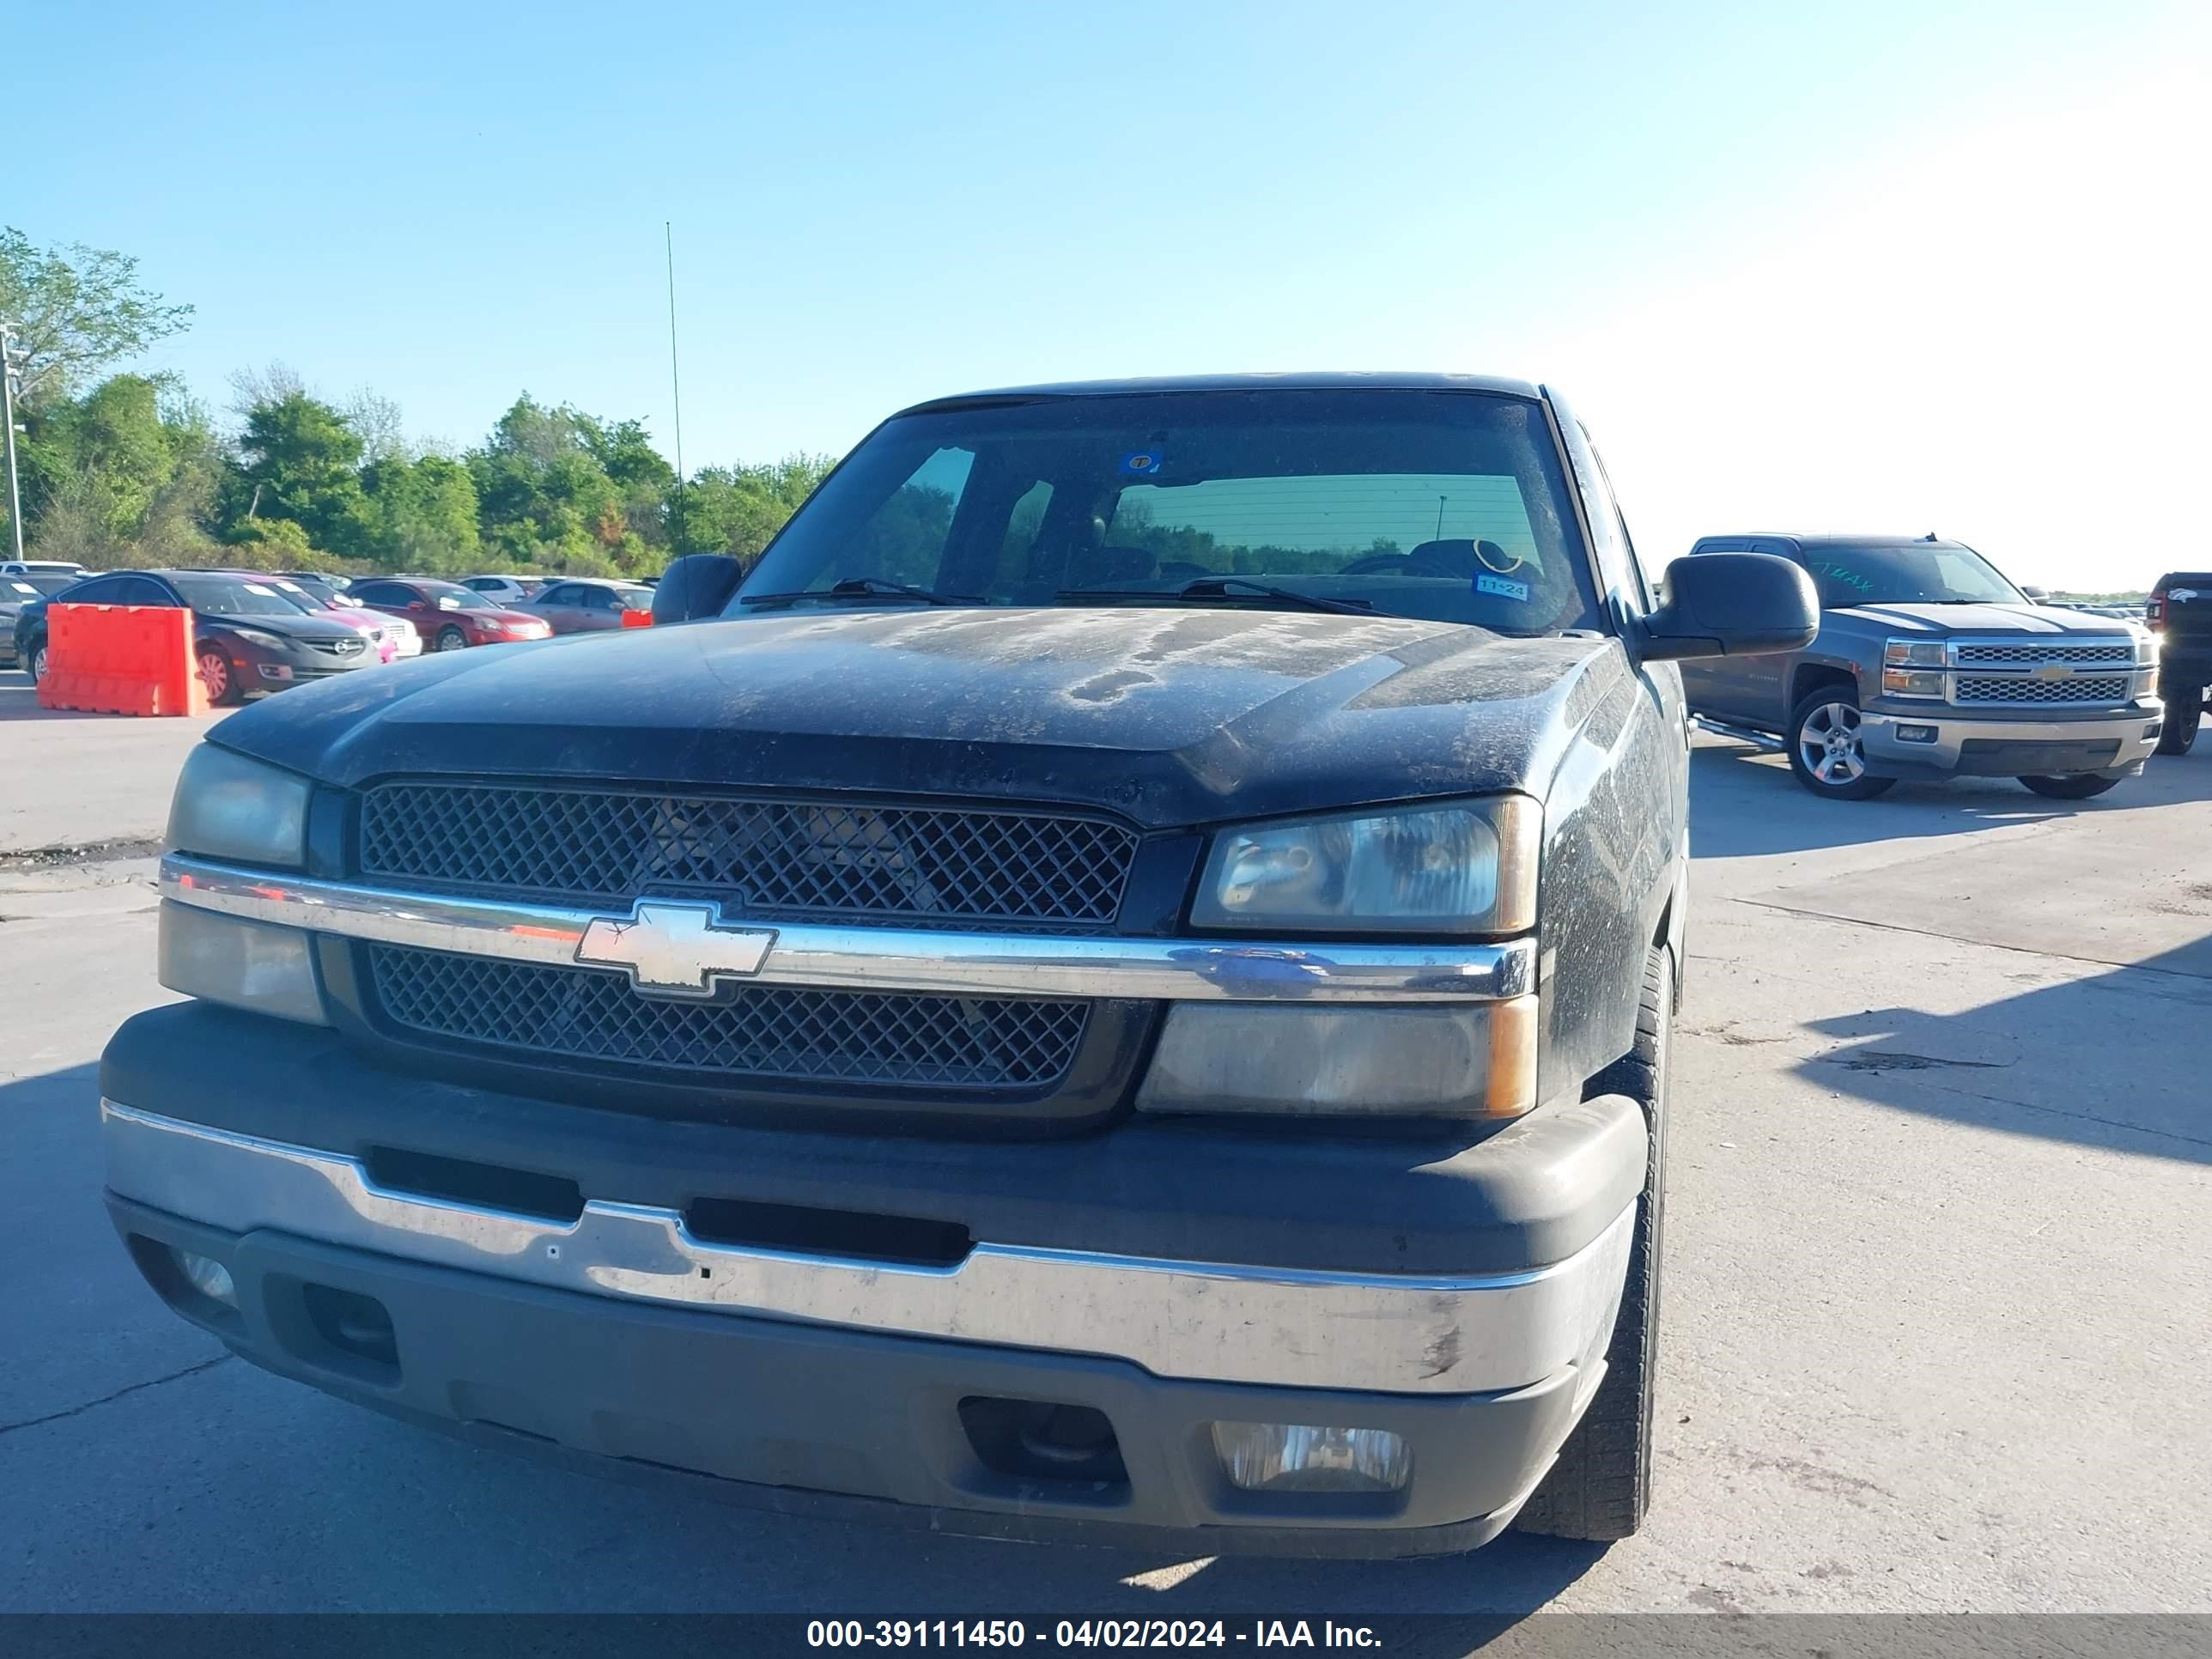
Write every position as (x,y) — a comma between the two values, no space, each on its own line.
(1444,506)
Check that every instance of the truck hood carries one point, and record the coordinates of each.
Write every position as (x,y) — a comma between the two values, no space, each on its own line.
(1167,716)
(1942,621)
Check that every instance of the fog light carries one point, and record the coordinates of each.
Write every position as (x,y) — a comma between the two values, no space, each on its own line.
(2151,729)
(1916,734)
(275,671)
(208,1277)
(1304,1457)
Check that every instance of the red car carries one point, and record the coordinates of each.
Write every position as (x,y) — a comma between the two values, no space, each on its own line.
(448,616)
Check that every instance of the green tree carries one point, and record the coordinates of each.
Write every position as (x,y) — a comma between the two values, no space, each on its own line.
(738,509)
(74,310)
(128,472)
(422,515)
(299,460)
(546,497)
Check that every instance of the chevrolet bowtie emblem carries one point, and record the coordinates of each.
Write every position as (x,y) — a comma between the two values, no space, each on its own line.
(673,950)
(2052,671)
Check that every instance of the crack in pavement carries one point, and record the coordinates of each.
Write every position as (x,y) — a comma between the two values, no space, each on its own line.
(150,1382)
(1958,938)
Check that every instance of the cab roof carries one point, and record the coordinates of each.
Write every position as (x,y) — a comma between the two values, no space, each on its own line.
(1337,381)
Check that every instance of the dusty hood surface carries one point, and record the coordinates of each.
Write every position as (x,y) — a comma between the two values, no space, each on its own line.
(1167,715)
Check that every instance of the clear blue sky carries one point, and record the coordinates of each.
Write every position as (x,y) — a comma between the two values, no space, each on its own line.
(1883,265)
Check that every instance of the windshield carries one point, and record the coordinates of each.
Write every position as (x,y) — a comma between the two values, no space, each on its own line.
(1444,506)
(234,596)
(319,593)
(1907,573)
(451,596)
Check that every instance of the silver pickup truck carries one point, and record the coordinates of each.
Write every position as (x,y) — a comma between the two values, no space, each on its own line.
(1930,664)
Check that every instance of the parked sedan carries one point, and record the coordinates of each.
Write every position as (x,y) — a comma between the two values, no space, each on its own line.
(506,589)
(394,637)
(588,607)
(30,587)
(448,616)
(246,635)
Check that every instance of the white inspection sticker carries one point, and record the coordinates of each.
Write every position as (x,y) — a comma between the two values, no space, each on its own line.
(1486,583)
(265,592)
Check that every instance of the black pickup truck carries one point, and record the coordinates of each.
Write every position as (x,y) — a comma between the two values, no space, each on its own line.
(1117,988)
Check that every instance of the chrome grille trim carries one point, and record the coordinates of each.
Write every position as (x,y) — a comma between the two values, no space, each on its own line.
(1984,653)
(1001,964)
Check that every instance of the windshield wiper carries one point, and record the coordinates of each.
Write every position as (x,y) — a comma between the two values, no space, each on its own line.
(1219,587)
(854,588)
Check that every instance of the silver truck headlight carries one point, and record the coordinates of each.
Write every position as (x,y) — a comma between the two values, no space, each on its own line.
(253,965)
(1476,1060)
(1467,867)
(1912,653)
(229,807)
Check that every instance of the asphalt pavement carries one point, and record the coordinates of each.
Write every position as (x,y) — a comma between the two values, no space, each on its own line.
(1935,1325)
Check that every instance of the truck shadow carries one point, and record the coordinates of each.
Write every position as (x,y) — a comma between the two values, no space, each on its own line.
(2018,1066)
(1744,803)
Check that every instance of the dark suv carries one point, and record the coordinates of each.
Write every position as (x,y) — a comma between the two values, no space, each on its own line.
(1119,988)
(2179,612)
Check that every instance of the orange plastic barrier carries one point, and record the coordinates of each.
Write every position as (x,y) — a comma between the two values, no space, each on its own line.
(121,660)
(637,619)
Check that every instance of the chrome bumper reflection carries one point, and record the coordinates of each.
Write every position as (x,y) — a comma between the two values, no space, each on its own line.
(890,959)
(1180,1319)
(1954,730)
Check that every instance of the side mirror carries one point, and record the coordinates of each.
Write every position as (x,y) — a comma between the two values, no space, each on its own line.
(2038,594)
(1732,605)
(697,584)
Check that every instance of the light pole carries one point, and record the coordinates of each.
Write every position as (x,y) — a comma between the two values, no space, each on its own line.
(9,364)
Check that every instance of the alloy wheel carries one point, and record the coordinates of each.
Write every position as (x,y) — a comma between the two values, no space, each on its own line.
(1829,744)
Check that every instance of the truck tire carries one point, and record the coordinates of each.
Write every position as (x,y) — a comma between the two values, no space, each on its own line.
(2077,785)
(1600,1486)
(1825,752)
(2184,708)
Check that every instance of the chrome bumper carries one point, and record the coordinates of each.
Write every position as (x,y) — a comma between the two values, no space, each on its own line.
(1198,1321)
(1952,730)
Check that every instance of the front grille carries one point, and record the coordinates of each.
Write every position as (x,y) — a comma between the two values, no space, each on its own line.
(761,1032)
(789,859)
(352,647)
(2007,688)
(2117,650)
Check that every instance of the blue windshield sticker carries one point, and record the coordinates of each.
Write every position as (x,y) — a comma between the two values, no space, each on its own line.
(1141,463)
(1486,583)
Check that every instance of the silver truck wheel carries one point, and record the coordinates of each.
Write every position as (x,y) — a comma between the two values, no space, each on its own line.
(1827,752)
(1600,1486)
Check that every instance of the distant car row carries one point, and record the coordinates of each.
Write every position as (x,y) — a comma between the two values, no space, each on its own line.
(255,632)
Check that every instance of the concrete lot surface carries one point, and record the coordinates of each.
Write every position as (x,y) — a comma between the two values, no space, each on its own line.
(1935,1320)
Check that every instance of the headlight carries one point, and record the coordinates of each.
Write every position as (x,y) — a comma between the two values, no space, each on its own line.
(1913,654)
(1910,682)
(229,807)
(260,636)
(1466,868)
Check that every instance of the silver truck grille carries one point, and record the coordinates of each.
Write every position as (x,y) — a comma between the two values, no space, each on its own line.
(1967,654)
(2011,688)
(885,865)
(756,1033)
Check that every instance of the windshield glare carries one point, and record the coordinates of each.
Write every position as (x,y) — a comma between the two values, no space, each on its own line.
(1908,572)
(1442,506)
(228,596)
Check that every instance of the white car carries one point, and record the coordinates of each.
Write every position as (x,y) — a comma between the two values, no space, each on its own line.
(406,641)
(42,567)
(506,589)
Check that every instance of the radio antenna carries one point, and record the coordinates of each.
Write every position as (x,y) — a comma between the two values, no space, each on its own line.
(675,384)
